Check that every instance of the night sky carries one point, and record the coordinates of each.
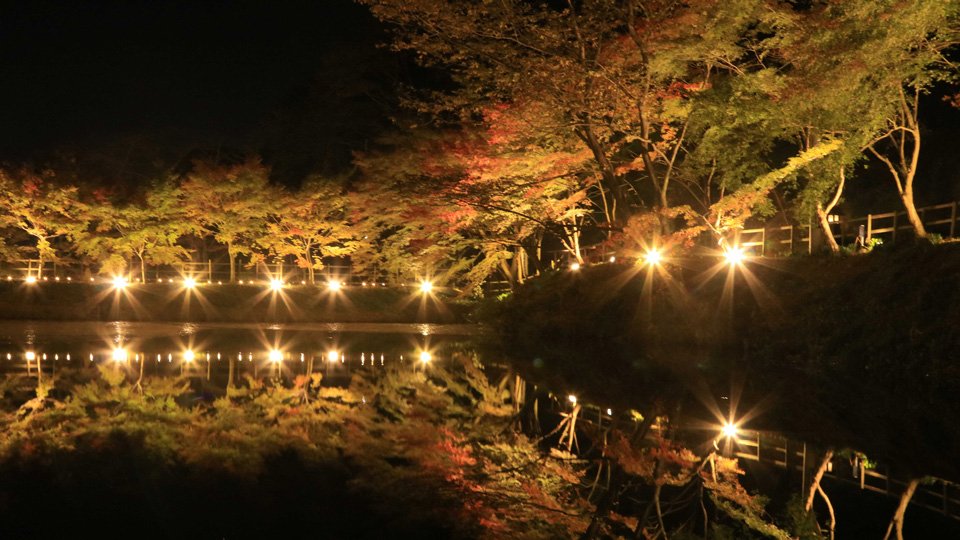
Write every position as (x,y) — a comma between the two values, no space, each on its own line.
(121,92)
(168,78)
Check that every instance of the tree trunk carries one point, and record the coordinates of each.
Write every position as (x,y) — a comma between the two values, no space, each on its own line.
(823,213)
(897,522)
(824,223)
(233,263)
(143,269)
(607,171)
(815,483)
(912,214)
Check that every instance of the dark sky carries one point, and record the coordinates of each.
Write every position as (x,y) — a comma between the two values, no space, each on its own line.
(83,74)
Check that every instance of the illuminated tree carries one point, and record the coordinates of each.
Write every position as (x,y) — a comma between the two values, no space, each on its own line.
(231,203)
(311,224)
(36,205)
(147,232)
(612,77)
(899,53)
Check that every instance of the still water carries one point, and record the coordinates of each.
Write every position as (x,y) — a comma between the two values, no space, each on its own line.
(207,349)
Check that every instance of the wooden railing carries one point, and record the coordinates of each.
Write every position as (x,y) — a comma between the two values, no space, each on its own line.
(793,239)
(936,494)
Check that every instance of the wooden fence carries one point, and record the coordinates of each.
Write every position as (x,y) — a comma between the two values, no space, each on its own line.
(200,271)
(936,494)
(796,239)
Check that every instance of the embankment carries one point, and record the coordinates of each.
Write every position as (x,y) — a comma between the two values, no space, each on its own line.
(860,351)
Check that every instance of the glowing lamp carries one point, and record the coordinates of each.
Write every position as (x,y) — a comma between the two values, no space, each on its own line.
(425,357)
(189,283)
(31,355)
(729,430)
(275,356)
(575,266)
(734,256)
(572,399)
(332,356)
(653,257)
(426,287)
(189,356)
(119,282)
(334,285)
(276,284)
(119,354)
(31,279)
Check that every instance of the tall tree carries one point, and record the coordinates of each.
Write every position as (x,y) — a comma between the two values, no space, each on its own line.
(311,224)
(898,53)
(600,69)
(147,232)
(231,204)
(45,211)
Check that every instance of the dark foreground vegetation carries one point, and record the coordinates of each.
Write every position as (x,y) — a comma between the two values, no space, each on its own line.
(858,351)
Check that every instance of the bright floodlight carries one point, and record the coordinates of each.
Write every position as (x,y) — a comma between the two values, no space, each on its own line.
(575,266)
(426,287)
(31,355)
(734,255)
(189,356)
(31,279)
(332,356)
(119,354)
(653,257)
(334,285)
(425,357)
(276,284)
(119,282)
(729,430)
(572,399)
(189,283)
(275,356)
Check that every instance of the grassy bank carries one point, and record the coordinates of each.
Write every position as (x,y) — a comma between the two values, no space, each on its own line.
(223,303)
(859,351)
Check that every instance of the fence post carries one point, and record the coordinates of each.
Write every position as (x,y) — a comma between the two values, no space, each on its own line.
(869,227)
(953,219)
(894,239)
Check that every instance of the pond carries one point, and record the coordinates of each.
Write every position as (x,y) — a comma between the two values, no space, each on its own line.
(210,348)
(400,424)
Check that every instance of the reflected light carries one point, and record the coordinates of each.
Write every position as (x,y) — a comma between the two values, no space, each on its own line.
(275,356)
(189,356)
(334,285)
(189,283)
(276,284)
(734,255)
(119,354)
(425,357)
(653,257)
(426,286)
(119,282)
